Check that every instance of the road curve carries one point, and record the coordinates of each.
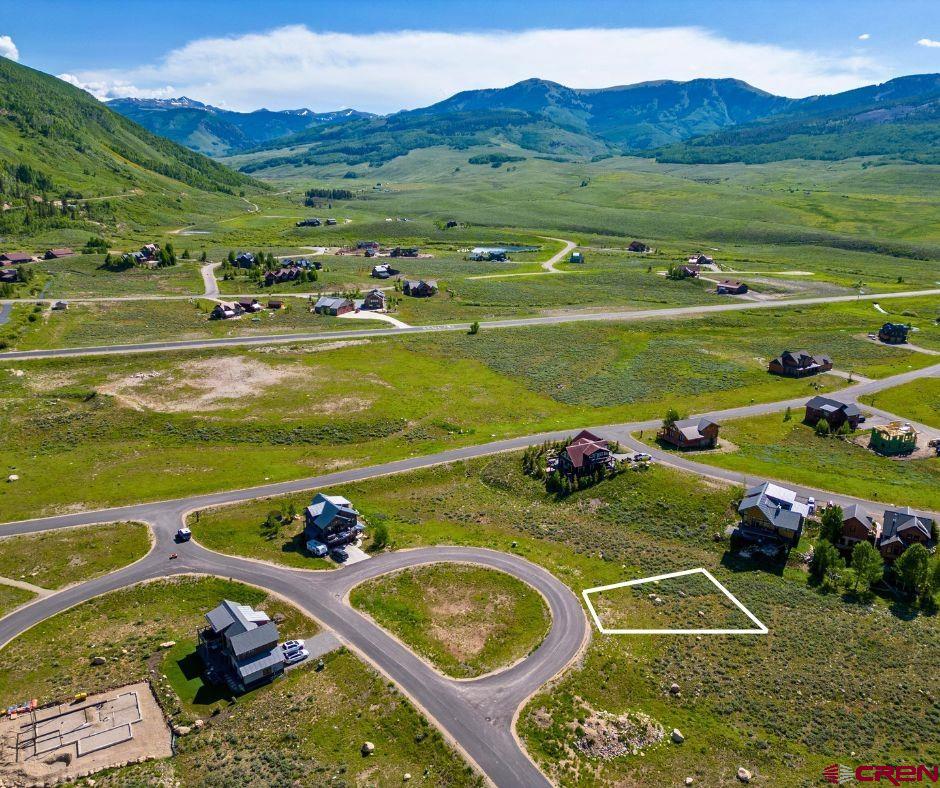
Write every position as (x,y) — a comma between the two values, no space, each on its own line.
(477,716)
(575,317)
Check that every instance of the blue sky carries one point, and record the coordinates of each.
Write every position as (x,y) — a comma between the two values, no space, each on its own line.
(388,55)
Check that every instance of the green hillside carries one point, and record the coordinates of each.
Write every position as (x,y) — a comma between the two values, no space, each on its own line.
(66,160)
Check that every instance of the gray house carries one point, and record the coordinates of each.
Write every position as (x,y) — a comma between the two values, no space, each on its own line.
(240,646)
(771,513)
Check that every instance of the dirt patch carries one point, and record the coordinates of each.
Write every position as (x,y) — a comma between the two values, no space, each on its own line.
(202,385)
(70,740)
(606,736)
(459,622)
(315,348)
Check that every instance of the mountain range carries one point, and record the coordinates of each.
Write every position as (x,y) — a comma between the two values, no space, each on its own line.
(217,132)
(702,120)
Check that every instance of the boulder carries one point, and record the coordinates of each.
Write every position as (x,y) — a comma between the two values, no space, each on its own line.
(744,775)
(689,780)
(367,748)
(13,478)
(168,644)
(182,730)
(98,660)
(674,688)
(278,618)
(199,723)
(406,776)
(677,737)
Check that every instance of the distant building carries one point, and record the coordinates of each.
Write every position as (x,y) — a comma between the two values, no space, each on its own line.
(858,525)
(584,455)
(834,412)
(60,306)
(638,246)
(700,259)
(9,275)
(15,258)
(695,433)
(249,305)
(287,273)
(224,310)
(894,333)
(56,254)
(404,251)
(731,287)
(799,364)
(240,646)
(367,245)
(332,520)
(492,253)
(333,305)
(901,529)
(770,512)
(419,289)
(309,223)
(275,303)
(577,257)
(893,439)
(245,260)
(374,300)
(688,270)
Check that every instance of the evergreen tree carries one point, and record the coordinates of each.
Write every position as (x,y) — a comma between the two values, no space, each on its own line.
(830,523)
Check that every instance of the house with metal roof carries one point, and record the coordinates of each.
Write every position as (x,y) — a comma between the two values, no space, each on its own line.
(329,305)
(901,529)
(694,433)
(772,513)
(835,413)
(332,520)
(240,646)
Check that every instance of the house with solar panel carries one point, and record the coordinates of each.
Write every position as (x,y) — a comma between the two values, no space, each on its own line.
(239,647)
(771,513)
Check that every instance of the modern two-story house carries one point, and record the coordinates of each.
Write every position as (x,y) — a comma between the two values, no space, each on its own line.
(240,646)
(771,513)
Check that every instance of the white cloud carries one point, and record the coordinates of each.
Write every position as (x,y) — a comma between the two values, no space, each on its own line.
(8,48)
(293,66)
(929,42)
(864,36)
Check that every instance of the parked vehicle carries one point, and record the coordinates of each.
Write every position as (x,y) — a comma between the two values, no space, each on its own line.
(296,656)
(183,534)
(339,555)
(173,555)
(641,456)
(811,505)
(292,645)
(316,548)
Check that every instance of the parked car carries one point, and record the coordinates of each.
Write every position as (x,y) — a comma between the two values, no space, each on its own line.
(184,534)
(641,456)
(290,657)
(292,645)
(317,549)
(339,555)
(811,505)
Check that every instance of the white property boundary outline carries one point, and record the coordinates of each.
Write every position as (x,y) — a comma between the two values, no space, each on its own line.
(760,630)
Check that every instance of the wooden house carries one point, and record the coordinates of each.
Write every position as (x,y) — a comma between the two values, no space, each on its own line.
(585,454)
(333,305)
(893,439)
(894,333)
(374,300)
(57,254)
(799,364)
(834,412)
(858,525)
(771,513)
(731,287)
(419,288)
(901,529)
(695,433)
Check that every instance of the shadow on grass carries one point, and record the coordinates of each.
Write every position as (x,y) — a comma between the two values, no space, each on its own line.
(192,668)
(733,561)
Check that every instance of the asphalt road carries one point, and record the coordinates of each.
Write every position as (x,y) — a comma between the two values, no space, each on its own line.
(477,716)
(577,317)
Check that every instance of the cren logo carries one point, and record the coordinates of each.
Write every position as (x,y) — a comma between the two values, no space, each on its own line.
(837,774)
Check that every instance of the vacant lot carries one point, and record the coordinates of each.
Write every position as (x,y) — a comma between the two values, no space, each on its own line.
(466,620)
(307,727)
(58,558)
(919,401)
(84,276)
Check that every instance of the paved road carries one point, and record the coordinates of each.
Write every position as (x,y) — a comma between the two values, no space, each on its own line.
(574,317)
(209,280)
(477,716)
(549,265)
(5,310)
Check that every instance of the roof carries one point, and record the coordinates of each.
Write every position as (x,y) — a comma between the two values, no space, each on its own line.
(17,257)
(691,429)
(324,508)
(729,283)
(330,302)
(253,665)
(233,618)
(778,505)
(897,520)
(60,252)
(583,445)
(856,512)
(251,640)
(830,405)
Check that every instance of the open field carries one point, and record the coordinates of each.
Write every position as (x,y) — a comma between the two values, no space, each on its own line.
(919,400)
(308,725)
(645,523)
(84,276)
(58,558)
(467,621)
(768,446)
(197,421)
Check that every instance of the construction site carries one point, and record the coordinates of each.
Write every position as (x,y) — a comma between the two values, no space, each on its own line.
(70,740)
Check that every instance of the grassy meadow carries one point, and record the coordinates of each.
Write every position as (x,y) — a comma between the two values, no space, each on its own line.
(918,400)
(466,620)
